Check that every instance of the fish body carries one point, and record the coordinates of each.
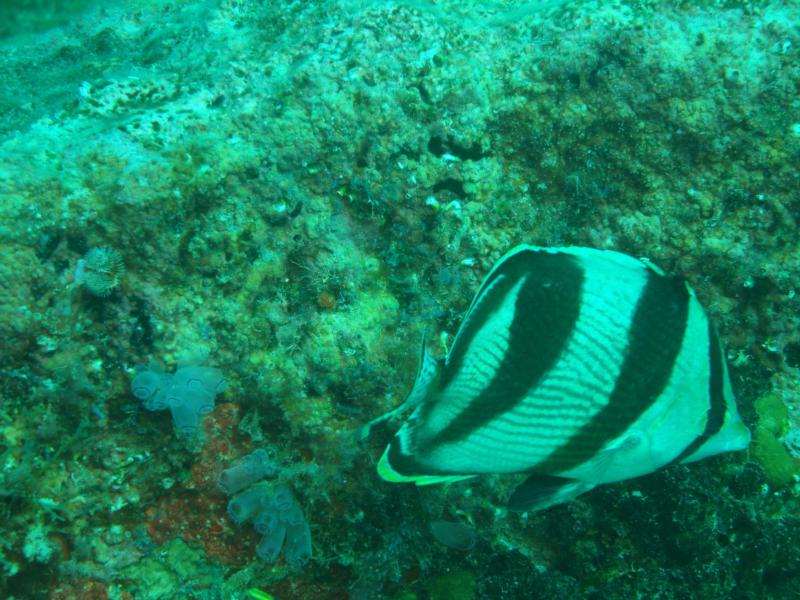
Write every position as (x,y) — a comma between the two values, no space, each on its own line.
(576,366)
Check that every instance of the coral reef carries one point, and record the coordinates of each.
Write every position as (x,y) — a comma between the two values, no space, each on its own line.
(301,190)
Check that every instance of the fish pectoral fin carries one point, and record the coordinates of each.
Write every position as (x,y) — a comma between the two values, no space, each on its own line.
(538,492)
(596,468)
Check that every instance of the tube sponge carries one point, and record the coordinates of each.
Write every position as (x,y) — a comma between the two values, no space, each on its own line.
(245,506)
(282,520)
(271,544)
(297,546)
(149,386)
(188,393)
(273,510)
(265,522)
(252,467)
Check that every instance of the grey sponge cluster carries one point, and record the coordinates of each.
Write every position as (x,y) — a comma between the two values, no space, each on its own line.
(188,393)
(252,468)
(272,509)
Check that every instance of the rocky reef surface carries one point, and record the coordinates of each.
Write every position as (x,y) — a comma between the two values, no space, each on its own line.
(294,192)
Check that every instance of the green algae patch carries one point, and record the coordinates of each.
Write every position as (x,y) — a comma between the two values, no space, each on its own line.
(34,16)
(779,466)
(453,586)
(163,578)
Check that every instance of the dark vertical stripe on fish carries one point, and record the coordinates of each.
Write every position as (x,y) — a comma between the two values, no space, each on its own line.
(403,464)
(545,312)
(654,342)
(716,395)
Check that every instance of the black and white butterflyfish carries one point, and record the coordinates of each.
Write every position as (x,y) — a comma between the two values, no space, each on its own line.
(575,366)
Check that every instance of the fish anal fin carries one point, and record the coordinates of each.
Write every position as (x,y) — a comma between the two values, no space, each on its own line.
(538,492)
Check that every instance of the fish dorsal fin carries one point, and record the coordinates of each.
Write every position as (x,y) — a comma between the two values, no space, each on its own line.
(427,373)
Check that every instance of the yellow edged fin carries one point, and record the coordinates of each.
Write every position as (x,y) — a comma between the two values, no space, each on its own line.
(257,594)
(387,473)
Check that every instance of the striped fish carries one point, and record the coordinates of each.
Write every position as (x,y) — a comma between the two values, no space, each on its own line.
(576,366)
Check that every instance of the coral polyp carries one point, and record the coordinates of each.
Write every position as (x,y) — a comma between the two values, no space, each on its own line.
(100,270)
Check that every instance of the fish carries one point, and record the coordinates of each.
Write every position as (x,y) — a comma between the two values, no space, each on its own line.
(574,366)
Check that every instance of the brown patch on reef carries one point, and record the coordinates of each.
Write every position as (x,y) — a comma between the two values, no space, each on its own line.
(326,301)
(83,589)
(197,510)
(333,588)
(218,451)
(223,421)
(201,520)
